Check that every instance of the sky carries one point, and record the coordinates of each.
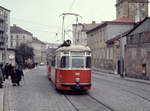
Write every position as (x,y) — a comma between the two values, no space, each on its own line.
(42,17)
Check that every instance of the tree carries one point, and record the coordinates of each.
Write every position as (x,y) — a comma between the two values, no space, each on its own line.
(23,53)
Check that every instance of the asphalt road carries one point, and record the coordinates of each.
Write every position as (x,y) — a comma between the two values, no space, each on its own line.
(108,93)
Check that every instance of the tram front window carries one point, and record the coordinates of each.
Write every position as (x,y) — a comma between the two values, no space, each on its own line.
(64,62)
(77,62)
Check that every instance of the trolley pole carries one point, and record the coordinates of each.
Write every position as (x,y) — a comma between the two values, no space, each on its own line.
(63,27)
(5,38)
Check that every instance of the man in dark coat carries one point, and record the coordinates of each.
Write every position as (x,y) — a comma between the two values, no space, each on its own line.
(1,76)
(19,74)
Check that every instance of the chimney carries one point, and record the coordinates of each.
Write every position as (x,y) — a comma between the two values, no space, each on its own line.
(93,22)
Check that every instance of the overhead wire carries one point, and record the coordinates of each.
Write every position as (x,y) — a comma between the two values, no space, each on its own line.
(72,4)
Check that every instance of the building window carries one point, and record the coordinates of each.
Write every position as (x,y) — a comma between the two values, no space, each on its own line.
(17,37)
(11,37)
(131,39)
(17,44)
(11,44)
(139,37)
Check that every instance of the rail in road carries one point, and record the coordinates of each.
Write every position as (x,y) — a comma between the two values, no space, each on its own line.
(85,101)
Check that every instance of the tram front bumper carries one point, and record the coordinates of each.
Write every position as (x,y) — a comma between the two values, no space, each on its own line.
(76,86)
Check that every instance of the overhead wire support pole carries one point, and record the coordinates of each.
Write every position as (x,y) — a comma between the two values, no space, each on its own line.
(121,56)
(5,38)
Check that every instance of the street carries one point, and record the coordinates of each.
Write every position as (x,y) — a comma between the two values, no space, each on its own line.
(108,93)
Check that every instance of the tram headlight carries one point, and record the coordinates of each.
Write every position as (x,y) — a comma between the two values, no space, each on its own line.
(77,80)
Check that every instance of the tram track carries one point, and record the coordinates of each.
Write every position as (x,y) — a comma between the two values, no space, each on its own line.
(90,99)
(138,95)
(133,92)
(101,103)
(71,103)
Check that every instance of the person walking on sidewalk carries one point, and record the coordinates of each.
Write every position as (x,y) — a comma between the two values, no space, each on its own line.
(14,76)
(1,76)
(19,74)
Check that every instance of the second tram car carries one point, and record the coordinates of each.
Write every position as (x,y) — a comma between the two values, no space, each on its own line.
(70,68)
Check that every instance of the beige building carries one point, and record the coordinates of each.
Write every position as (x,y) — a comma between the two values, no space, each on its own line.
(39,49)
(19,36)
(135,10)
(102,55)
(79,32)
(5,27)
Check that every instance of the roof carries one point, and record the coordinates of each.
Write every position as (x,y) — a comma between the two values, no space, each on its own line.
(133,1)
(36,40)
(87,27)
(122,20)
(4,8)
(127,32)
(16,29)
(138,24)
(117,37)
(74,48)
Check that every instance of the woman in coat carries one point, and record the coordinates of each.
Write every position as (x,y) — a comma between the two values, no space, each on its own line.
(14,76)
(1,76)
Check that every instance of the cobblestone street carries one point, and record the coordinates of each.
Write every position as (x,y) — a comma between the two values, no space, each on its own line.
(108,93)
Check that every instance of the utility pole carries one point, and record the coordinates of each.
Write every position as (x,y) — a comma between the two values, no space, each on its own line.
(5,38)
(121,57)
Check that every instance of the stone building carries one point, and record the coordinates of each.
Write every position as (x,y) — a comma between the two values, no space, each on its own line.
(137,52)
(135,10)
(102,55)
(5,32)
(114,43)
(79,32)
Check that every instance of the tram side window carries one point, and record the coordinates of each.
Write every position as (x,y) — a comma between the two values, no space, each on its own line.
(64,62)
(88,62)
(53,62)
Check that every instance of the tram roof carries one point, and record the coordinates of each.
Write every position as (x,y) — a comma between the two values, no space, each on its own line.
(74,48)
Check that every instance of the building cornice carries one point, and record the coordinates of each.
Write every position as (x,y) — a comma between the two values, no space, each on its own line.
(4,8)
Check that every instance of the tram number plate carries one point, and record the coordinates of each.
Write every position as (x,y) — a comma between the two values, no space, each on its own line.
(77,73)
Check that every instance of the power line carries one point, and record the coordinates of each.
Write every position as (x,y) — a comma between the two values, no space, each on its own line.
(28,21)
(71,5)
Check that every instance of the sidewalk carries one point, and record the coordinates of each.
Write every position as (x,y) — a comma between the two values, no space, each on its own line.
(1,98)
(124,78)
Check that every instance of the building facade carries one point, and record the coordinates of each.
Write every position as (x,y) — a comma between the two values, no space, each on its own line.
(39,49)
(5,32)
(135,10)
(103,55)
(79,32)
(19,36)
(137,53)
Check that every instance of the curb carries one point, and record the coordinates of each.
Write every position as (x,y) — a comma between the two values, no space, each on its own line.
(1,99)
(124,78)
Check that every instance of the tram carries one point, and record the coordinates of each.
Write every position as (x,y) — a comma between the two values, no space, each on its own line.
(70,68)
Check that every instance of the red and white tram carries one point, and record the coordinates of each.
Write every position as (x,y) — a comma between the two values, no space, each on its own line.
(70,68)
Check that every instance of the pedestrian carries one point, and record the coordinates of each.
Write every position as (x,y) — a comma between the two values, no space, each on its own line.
(19,74)
(14,76)
(6,71)
(1,76)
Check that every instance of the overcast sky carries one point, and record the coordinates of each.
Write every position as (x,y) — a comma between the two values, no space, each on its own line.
(41,17)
